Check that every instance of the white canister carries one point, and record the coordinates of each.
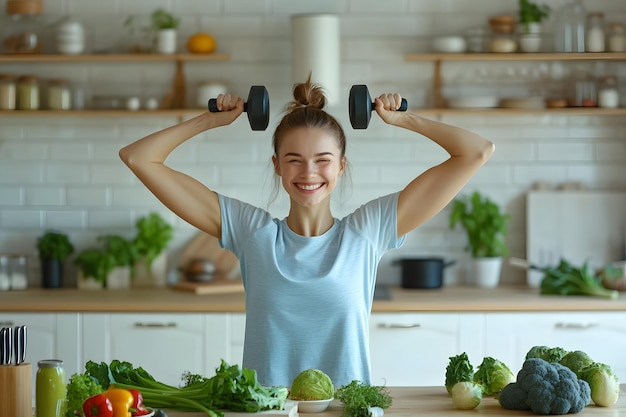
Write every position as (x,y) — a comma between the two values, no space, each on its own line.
(70,37)
(166,41)
(208,90)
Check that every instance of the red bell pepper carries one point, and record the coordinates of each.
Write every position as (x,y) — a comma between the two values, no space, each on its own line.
(138,407)
(98,406)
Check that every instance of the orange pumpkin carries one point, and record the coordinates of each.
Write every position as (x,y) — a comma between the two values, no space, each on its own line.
(201,43)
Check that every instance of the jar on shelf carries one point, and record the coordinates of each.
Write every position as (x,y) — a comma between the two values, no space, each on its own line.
(5,273)
(22,31)
(582,90)
(7,92)
(502,38)
(28,92)
(595,35)
(70,37)
(616,37)
(59,95)
(569,27)
(608,93)
(19,279)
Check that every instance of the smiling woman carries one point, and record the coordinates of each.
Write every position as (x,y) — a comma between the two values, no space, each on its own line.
(310,277)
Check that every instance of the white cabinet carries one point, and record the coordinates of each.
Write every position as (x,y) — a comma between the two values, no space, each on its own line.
(602,335)
(49,336)
(413,349)
(165,345)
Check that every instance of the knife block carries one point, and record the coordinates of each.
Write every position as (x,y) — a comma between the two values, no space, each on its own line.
(16,390)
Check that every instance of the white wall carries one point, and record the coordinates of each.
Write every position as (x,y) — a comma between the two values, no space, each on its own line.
(64,173)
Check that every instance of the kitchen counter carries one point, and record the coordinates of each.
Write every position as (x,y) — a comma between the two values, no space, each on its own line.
(435,401)
(447,299)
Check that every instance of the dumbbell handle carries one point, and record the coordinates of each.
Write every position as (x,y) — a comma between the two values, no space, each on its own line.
(213,106)
(404,105)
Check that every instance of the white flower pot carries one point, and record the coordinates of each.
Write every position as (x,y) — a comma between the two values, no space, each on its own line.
(87,283)
(530,42)
(486,271)
(155,277)
(119,278)
(166,41)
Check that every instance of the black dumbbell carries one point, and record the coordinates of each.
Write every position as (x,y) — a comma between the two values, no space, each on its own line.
(360,106)
(257,107)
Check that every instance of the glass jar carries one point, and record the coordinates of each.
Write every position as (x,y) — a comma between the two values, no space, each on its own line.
(19,280)
(595,35)
(608,93)
(582,89)
(59,95)
(50,388)
(569,27)
(7,92)
(616,37)
(21,34)
(28,93)
(5,278)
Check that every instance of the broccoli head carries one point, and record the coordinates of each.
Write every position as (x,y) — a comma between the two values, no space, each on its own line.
(548,354)
(546,388)
(576,360)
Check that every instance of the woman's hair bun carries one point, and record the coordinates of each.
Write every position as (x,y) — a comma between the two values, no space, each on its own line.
(307,94)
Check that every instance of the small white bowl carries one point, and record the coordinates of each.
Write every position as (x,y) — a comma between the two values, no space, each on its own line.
(314,406)
(449,44)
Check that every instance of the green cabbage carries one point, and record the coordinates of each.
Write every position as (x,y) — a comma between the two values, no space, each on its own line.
(603,382)
(459,369)
(311,384)
(548,354)
(576,360)
(493,375)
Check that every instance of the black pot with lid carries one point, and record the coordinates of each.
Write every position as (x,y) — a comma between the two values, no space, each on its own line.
(422,272)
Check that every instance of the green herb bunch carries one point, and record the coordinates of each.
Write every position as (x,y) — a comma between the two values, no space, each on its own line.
(162,19)
(54,245)
(530,12)
(358,398)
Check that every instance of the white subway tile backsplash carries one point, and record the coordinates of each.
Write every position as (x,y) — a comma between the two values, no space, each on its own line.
(87,196)
(65,219)
(113,219)
(115,173)
(67,173)
(565,152)
(45,196)
(75,151)
(21,173)
(21,151)
(11,196)
(20,220)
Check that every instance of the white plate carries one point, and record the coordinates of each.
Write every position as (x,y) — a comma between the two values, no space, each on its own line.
(472,102)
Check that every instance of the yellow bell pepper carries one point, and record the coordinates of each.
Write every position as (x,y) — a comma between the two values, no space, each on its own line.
(121,399)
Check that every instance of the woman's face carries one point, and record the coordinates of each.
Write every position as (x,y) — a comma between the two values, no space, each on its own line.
(309,163)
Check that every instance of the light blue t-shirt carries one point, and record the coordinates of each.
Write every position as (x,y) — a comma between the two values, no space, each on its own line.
(308,299)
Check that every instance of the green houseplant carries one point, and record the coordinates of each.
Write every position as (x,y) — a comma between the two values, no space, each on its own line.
(53,247)
(484,224)
(486,227)
(530,12)
(153,236)
(165,25)
(99,263)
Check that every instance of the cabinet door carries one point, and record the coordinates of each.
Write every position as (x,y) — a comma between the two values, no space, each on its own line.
(237,335)
(165,345)
(602,335)
(49,336)
(414,349)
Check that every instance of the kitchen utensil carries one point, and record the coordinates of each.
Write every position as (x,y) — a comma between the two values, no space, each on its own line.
(2,345)
(423,272)
(8,345)
(19,344)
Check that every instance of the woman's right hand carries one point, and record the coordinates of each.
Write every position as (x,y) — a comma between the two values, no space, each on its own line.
(230,107)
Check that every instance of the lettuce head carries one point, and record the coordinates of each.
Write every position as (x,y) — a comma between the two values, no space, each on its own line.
(493,375)
(311,384)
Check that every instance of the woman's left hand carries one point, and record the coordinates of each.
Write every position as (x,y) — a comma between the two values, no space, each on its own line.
(387,106)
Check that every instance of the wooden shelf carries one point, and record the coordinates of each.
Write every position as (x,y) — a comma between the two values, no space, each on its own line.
(568,111)
(586,56)
(181,113)
(52,58)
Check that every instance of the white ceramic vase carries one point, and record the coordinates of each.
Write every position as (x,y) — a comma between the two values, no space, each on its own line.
(486,271)
(166,41)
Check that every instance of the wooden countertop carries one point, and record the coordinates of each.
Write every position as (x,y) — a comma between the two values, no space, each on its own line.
(435,401)
(447,299)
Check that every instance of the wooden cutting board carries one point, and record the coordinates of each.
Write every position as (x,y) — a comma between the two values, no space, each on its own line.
(290,410)
(218,285)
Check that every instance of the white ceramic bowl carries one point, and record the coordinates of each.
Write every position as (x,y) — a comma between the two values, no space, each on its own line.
(317,406)
(449,44)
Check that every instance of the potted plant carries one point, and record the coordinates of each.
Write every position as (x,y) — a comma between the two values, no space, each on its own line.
(530,17)
(54,248)
(486,227)
(165,24)
(153,236)
(94,266)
